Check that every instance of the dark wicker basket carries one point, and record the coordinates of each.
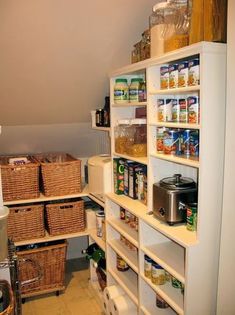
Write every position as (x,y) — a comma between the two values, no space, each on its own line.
(64,218)
(26,222)
(19,181)
(51,259)
(61,174)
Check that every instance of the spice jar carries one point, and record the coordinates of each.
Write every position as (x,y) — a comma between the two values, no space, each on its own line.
(121,264)
(122,134)
(138,138)
(121,91)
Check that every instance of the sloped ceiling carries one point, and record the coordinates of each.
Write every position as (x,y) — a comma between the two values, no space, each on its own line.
(55,55)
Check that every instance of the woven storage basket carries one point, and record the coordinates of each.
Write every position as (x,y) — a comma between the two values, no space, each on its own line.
(26,222)
(67,217)
(19,181)
(51,260)
(8,300)
(61,174)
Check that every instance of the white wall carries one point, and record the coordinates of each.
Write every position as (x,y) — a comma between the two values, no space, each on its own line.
(226,296)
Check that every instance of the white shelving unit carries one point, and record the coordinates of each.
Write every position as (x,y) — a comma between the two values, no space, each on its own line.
(190,257)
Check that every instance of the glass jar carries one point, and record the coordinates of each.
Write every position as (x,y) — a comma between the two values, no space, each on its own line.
(134,89)
(138,138)
(121,91)
(121,264)
(122,135)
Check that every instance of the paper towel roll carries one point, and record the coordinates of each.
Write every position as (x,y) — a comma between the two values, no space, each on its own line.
(112,291)
(122,305)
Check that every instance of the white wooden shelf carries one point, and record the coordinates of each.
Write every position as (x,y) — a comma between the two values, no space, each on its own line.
(131,257)
(125,230)
(142,160)
(98,240)
(169,256)
(180,90)
(153,309)
(128,104)
(171,295)
(191,161)
(175,125)
(101,128)
(128,280)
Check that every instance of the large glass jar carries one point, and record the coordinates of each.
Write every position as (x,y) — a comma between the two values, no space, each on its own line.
(122,134)
(138,138)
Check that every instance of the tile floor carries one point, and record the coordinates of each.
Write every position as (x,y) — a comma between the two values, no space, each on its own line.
(79,298)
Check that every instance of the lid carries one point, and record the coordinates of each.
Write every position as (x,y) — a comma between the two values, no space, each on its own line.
(138,121)
(121,80)
(177,182)
(136,80)
(124,122)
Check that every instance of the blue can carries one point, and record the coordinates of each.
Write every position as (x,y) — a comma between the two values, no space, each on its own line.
(171,142)
(185,146)
(194,143)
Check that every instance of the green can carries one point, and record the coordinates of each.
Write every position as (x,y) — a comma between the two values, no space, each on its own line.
(192,217)
(175,283)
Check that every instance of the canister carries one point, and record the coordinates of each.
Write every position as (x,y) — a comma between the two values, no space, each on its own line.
(158,276)
(99,219)
(191,216)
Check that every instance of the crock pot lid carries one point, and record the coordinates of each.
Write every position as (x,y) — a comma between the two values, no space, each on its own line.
(177,182)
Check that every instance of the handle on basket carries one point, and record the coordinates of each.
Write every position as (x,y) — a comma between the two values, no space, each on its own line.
(36,266)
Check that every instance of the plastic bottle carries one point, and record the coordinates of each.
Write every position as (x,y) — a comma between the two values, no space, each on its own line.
(134,89)
(121,91)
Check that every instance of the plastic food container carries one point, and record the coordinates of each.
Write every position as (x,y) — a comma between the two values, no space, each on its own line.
(138,138)
(122,134)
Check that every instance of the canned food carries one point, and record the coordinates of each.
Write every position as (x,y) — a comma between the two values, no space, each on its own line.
(168,109)
(121,264)
(171,142)
(194,143)
(164,77)
(158,276)
(147,266)
(193,109)
(183,74)
(175,110)
(173,76)
(160,303)
(192,217)
(175,283)
(161,109)
(160,140)
(193,72)
(183,116)
(185,146)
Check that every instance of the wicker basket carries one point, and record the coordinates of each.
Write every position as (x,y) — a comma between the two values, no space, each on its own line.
(19,181)
(26,222)
(61,174)
(67,217)
(8,300)
(51,260)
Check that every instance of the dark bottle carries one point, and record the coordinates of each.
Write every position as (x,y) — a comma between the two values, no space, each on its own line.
(99,117)
(106,112)
(90,249)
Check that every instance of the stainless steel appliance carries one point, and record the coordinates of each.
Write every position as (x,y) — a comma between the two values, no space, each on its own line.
(171,195)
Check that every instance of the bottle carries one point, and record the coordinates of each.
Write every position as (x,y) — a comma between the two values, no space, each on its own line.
(134,89)
(121,91)
(106,111)
(90,249)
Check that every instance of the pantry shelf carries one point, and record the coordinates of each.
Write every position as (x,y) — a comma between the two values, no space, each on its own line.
(134,104)
(169,256)
(171,295)
(142,160)
(128,280)
(191,161)
(131,257)
(182,90)
(98,240)
(129,233)
(151,310)
(175,125)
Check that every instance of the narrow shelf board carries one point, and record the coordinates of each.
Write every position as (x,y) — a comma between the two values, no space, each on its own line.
(180,90)
(177,233)
(42,198)
(131,257)
(170,256)
(175,125)
(192,161)
(49,238)
(134,206)
(124,230)
(128,280)
(97,200)
(171,295)
(128,104)
(142,160)
(101,128)
(153,309)
(98,240)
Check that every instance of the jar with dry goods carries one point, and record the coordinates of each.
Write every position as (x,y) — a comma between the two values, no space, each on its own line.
(122,135)
(121,264)
(138,138)
(158,274)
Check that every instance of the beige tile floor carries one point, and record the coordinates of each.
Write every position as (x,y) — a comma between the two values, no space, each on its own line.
(79,298)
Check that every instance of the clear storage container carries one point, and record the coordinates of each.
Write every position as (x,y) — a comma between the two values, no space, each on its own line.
(138,138)
(122,135)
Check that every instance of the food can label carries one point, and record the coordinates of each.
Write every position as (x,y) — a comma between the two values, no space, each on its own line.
(168,109)
(192,218)
(185,146)
(175,110)
(193,110)
(121,94)
(161,110)
(193,72)
(183,74)
(164,77)
(171,142)
(194,143)
(173,76)
(183,118)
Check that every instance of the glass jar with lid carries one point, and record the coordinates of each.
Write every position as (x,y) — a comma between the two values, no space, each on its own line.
(138,138)
(122,135)
(121,91)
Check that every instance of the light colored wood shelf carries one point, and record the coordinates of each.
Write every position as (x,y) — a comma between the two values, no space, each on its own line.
(97,200)
(98,240)
(128,104)
(128,280)
(169,256)
(124,230)
(131,257)
(180,90)
(175,125)
(153,309)
(101,128)
(171,295)
(192,161)
(142,160)
(43,198)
